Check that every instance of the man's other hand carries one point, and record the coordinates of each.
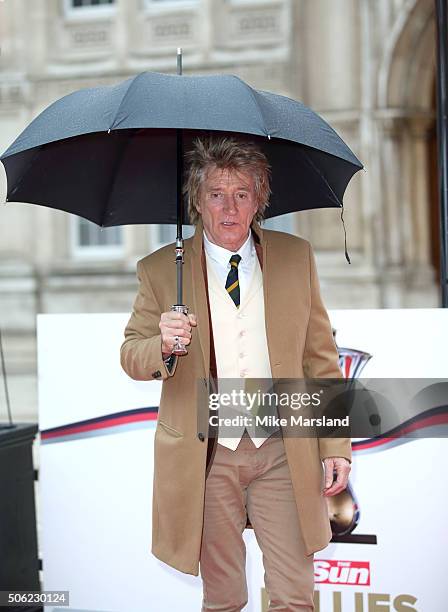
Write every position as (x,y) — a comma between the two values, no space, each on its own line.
(174,324)
(342,467)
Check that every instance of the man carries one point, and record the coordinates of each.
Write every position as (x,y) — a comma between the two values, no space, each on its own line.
(257,314)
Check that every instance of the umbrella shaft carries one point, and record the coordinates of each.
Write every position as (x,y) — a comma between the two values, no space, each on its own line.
(179,263)
(180,211)
(180,163)
(179,61)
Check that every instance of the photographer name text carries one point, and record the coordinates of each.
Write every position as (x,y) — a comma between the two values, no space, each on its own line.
(245,420)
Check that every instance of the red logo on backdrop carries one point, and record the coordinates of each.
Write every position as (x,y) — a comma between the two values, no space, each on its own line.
(331,571)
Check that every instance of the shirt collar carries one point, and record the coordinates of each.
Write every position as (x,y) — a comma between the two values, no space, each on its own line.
(222,255)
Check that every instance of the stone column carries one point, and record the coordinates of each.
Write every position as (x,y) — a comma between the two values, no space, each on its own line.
(403,247)
(123,19)
(333,58)
(421,281)
(394,209)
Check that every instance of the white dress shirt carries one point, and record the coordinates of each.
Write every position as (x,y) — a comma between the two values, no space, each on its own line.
(219,257)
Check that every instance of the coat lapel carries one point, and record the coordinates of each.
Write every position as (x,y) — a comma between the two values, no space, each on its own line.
(271,300)
(200,296)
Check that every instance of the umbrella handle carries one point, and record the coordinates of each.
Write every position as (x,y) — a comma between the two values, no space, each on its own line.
(179,348)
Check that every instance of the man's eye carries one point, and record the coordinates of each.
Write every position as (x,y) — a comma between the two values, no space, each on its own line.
(215,194)
(242,196)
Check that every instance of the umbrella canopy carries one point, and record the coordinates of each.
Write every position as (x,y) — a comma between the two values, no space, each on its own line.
(108,154)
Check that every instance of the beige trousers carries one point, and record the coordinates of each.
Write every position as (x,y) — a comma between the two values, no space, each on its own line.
(256,480)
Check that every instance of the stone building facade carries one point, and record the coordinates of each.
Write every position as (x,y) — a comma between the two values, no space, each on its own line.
(368,66)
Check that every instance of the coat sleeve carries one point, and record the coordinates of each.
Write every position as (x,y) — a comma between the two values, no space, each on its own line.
(321,359)
(141,352)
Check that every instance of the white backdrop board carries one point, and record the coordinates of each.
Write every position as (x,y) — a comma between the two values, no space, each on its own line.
(97,428)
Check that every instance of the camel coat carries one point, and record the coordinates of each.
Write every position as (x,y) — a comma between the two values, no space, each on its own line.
(300,343)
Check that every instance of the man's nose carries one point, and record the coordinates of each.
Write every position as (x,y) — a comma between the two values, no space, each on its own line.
(230,205)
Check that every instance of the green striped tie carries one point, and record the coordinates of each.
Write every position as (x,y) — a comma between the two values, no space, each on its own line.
(232,282)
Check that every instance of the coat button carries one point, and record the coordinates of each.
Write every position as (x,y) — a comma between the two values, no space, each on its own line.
(157,374)
(201,436)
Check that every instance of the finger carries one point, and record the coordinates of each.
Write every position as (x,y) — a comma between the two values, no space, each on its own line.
(192,319)
(182,339)
(342,468)
(171,342)
(168,332)
(175,325)
(329,468)
(339,484)
(334,490)
(172,315)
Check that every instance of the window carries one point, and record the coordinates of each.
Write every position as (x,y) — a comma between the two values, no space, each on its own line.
(91,8)
(283,223)
(80,3)
(89,240)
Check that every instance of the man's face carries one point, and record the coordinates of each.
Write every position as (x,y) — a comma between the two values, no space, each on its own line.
(227,204)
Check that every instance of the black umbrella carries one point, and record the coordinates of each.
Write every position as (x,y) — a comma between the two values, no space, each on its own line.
(111,154)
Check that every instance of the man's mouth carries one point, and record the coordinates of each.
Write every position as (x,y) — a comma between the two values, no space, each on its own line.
(228,223)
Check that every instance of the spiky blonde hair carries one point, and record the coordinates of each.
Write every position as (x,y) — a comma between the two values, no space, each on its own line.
(226,153)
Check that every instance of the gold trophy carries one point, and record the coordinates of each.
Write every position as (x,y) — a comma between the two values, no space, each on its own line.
(343,508)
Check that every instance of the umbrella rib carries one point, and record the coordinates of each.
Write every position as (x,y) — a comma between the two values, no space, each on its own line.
(132,82)
(257,104)
(24,173)
(316,169)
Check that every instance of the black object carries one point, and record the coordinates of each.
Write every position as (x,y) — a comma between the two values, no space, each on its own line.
(109,154)
(180,207)
(19,563)
(114,155)
(442,138)
(5,385)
